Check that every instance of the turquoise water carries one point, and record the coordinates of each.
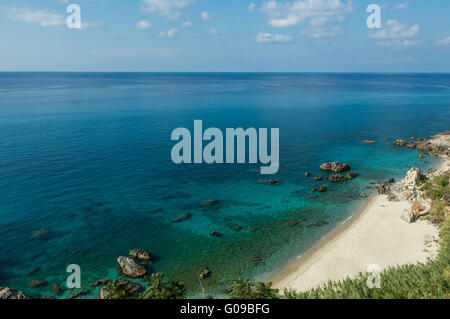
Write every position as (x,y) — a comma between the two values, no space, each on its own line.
(87,157)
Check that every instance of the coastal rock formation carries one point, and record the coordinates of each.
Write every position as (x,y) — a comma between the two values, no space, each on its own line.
(140,254)
(318,178)
(323,189)
(130,268)
(336,178)
(351,175)
(400,143)
(335,167)
(414,177)
(437,145)
(369,142)
(127,287)
(8,293)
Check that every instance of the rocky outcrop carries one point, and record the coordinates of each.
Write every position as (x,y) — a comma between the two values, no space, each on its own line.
(140,254)
(414,213)
(335,167)
(351,175)
(130,268)
(323,189)
(8,293)
(336,178)
(400,143)
(437,145)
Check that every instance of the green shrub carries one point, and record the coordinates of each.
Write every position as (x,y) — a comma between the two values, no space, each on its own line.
(160,288)
(246,289)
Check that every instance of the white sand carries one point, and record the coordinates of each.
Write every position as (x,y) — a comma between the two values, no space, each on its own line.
(375,235)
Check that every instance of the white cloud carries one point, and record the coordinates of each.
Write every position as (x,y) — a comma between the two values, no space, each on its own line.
(143,25)
(396,34)
(169,34)
(186,24)
(402,5)
(445,41)
(169,8)
(251,7)
(321,16)
(41,17)
(206,16)
(272,38)
(213,31)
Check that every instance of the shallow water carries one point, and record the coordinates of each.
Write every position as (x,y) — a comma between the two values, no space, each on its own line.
(87,157)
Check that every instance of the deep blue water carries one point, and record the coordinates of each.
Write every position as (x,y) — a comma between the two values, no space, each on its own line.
(87,157)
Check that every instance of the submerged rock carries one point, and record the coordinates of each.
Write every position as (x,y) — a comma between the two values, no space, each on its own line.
(8,293)
(268,182)
(58,290)
(351,175)
(336,178)
(369,142)
(40,233)
(37,283)
(292,223)
(335,167)
(255,260)
(215,234)
(130,268)
(78,293)
(210,202)
(323,189)
(140,254)
(182,217)
(204,273)
(318,178)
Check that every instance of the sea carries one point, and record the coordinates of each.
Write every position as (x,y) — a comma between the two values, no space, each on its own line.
(86,172)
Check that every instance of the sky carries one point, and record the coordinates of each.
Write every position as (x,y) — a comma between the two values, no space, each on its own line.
(225,36)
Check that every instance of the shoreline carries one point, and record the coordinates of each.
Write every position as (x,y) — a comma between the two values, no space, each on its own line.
(341,253)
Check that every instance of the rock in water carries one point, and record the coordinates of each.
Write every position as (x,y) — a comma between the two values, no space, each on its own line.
(317,178)
(130,268)
(351,175)
(400,143)
(323,189)
(181,217)
(140,254)
(335,167)
(336,178)
(306,174)
(369,142)
(8,293)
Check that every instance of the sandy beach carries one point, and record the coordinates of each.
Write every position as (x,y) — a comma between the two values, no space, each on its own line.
(375,234)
